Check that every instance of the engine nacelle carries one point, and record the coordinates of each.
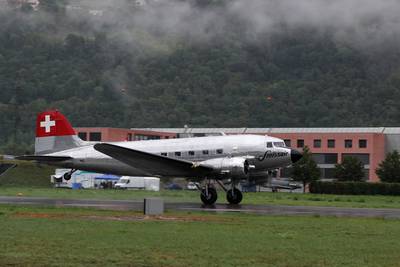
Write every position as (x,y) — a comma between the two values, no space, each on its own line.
(236,167)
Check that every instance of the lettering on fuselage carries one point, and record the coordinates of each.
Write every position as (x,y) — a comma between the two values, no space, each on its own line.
(270,154)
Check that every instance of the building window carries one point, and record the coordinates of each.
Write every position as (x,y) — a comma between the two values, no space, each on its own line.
(95,136)
(220,151)
(325,158)
(288,143)
(191,153)
(331,143)
(140,137)
(83,136)
(205,152)
(129,137)
(364,158)
(146,137)
(317,143)
(178,154)
(300,143)
(328,173)
(348,143)
(362,143)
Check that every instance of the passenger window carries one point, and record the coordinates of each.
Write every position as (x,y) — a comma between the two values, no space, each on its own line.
(164,154)
(205,152)
(191,153)
(220,151)
(178,154)
(269,144)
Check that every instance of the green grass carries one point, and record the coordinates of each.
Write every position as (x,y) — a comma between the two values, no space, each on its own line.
(27,174)
(84,237)
(34,180)
(193,196)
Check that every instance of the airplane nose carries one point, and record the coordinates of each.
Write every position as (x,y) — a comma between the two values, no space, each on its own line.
(295,155)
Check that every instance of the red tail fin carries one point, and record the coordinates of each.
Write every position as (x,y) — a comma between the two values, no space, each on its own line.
(53,123)
(54,133)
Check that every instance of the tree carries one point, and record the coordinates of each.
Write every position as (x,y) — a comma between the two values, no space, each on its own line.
(351,169)
(306,170)
(26,7)
(53,6)
(389,169)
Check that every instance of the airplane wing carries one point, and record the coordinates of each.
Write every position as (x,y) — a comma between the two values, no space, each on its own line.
(152,163)
(43,158)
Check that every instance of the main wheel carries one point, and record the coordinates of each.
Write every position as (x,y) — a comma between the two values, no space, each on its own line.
(210,198)
(234,196)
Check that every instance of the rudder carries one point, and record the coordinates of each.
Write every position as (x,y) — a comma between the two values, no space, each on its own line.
(54,133)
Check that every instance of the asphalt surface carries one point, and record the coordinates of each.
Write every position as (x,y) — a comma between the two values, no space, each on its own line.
(137,205)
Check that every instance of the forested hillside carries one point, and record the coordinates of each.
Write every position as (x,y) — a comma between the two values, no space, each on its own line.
(201,63)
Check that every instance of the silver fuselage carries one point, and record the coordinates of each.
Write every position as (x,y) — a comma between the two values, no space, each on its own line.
(252,147)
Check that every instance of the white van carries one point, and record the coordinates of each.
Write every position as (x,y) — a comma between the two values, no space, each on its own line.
(146,183)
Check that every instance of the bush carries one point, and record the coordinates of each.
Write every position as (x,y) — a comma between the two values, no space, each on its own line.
(355,188)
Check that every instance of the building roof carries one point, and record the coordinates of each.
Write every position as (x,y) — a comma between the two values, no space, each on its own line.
(392,130)
(329,130)
(385,130)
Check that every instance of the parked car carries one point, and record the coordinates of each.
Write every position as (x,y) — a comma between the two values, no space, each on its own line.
(192,186)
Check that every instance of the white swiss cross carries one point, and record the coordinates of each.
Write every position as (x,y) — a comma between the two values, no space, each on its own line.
(47,123)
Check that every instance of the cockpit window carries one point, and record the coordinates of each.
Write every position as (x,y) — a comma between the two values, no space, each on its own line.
(279,144)
(269,144)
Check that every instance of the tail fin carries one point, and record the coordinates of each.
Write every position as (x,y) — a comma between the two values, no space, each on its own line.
(54,133)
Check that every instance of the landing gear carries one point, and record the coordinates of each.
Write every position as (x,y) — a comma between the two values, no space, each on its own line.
(208,195)
(67,176)
(234,196)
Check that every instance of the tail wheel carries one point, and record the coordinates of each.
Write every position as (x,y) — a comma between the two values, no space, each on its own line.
(234,196)
(209,196)
(67,176)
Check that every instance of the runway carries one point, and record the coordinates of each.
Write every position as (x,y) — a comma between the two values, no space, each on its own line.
(137,205)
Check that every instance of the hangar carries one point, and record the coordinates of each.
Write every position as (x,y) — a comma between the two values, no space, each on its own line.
(328,145)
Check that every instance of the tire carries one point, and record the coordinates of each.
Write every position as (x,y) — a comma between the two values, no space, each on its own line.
(211,198)
(234,198)
(67,176)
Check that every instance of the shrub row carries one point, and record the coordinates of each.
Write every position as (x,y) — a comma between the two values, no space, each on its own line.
(354,188)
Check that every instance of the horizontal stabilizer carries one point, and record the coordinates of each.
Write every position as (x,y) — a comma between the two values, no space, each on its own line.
(43,158)
(4,167)
(152,163)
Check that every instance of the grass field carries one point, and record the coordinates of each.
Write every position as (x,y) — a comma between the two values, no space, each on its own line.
(193,196)
(31,179)
(27,174)
(84,237)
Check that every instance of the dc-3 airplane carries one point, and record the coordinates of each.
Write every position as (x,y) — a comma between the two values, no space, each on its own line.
(209,160)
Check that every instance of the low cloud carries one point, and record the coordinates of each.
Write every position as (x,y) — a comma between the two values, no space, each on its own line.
(360,22)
